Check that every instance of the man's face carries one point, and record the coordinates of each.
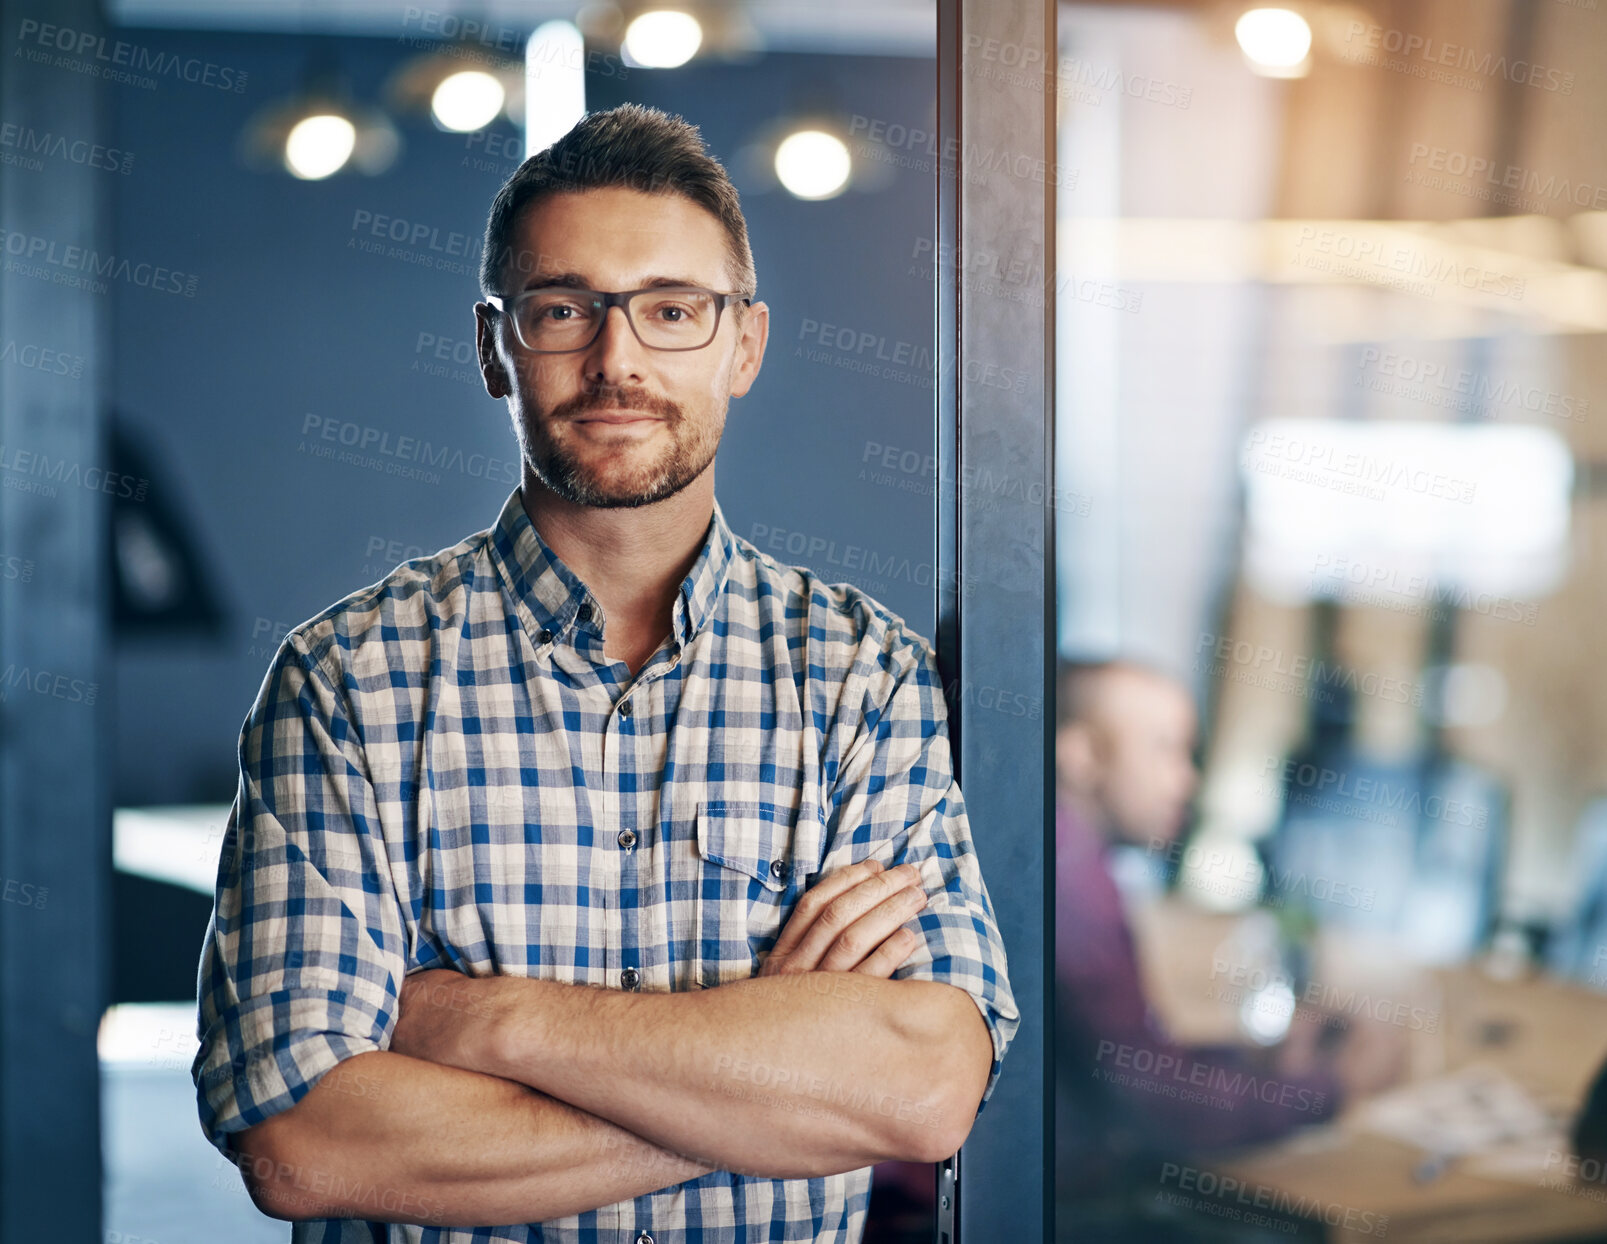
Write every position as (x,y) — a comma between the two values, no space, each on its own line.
(1133,755)
(618,424)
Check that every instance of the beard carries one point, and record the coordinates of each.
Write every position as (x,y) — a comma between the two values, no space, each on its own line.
(586,472)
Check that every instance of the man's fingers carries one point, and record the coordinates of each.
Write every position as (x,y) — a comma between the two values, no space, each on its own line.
(861,938)
(836,919)
(887,957)
(816,897)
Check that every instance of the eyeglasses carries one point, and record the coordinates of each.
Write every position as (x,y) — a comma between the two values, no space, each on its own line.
(558,320)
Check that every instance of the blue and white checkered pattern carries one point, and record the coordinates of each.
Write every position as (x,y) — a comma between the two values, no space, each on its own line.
(444,770)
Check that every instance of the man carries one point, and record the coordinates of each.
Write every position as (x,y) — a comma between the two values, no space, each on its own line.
(1125,773)
(574,886)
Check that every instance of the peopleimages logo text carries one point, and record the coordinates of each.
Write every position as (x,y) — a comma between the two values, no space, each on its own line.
(87,267)
(365,438)
(1436,52)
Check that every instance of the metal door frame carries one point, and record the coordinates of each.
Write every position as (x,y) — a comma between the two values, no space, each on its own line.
(994,514)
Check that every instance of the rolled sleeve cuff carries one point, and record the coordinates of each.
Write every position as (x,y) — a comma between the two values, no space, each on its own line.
(1001,1028)
(966,953)
(266,1053)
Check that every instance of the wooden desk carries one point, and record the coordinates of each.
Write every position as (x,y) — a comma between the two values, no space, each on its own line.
(1548,1036)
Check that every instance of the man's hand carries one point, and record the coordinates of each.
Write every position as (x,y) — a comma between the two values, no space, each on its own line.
(1368,1056)
(441,1013)
(1305,1047)
(851,922)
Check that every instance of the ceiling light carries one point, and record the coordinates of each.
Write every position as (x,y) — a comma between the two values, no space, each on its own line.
(813,164)
(459,88)
(1275,41)
(319,146)
(467,101)
(662,39)
(317,132)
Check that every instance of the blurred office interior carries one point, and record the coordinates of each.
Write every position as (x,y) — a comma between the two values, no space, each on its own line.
(1329,380)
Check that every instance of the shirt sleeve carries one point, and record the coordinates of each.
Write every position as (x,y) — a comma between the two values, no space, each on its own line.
(304,955)
(1177,1097)
(1112,1048)
(894,798)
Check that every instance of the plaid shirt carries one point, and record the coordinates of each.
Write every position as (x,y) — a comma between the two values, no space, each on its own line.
(444,770)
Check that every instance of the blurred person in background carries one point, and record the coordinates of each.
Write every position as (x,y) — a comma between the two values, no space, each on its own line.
(1124,743)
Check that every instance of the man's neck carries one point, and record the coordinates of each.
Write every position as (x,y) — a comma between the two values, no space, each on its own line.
(1086,812)
(633,559)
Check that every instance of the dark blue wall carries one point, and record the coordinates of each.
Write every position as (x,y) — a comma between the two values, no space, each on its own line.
(292,322)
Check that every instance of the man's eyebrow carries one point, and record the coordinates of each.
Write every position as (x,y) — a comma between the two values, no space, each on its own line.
(574,280)
(569,280)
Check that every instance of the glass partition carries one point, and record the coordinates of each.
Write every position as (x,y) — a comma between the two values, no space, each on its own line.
(1329,872)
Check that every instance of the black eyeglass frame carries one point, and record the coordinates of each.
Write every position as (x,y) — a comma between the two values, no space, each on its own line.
(607,300)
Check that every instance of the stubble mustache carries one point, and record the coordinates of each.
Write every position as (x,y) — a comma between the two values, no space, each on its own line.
(605,396)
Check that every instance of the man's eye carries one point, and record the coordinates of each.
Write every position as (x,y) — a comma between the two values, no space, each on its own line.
(676,312)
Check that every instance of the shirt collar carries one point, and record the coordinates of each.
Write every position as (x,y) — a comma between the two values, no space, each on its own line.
(557,599)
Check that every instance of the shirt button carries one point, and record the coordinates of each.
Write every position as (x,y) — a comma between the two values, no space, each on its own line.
(779,868)
(630,978)
(644,1238)
(545,637)
(624,708)
(626,838)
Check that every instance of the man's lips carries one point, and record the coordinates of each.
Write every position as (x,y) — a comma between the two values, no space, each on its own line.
(631,416)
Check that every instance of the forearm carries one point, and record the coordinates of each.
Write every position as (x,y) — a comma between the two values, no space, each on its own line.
(785,1076)
(389,1138)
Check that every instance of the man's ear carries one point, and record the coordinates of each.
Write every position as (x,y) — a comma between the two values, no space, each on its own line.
(493,372)
(750,349)
(1076,757)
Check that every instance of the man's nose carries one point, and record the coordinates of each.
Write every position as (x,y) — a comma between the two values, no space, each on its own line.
(616,349)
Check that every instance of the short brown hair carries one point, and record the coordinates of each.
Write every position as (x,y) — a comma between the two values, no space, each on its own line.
(633,146)
(1078,684)
(1075,688)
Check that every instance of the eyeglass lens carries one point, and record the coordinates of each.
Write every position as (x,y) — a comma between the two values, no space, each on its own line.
(561,319)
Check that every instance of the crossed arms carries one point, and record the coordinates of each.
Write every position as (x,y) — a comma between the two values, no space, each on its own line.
(506,1099)
(473,1101)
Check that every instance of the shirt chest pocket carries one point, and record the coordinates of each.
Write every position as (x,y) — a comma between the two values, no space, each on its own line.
(755,860)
